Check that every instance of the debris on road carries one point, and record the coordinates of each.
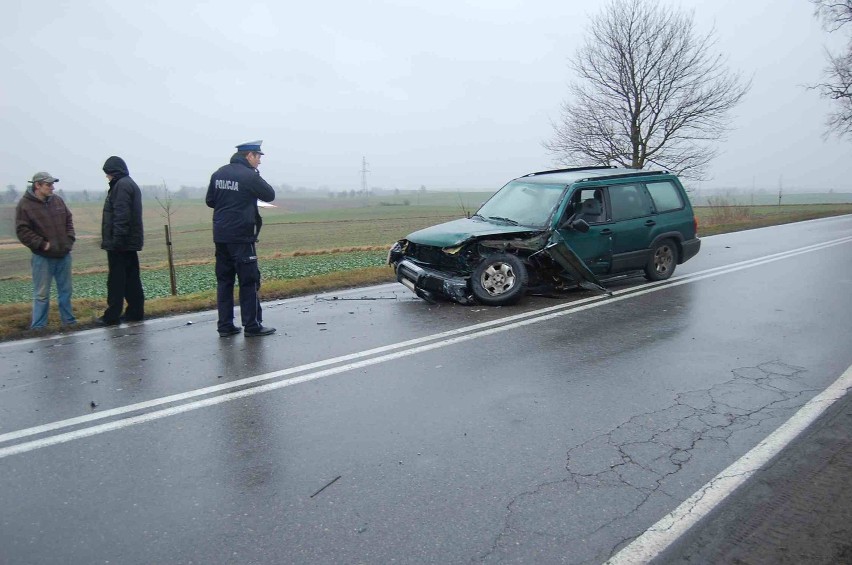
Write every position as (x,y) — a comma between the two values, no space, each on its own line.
(334,480)
(321,299)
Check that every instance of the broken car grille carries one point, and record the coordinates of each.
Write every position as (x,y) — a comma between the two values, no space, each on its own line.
(431,256)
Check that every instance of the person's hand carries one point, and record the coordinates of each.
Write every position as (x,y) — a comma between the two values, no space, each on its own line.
(47,246)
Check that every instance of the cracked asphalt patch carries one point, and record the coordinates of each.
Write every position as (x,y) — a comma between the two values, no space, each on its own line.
(619,482)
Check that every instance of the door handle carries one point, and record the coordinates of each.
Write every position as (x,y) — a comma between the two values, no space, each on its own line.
(650,223)
(606,231)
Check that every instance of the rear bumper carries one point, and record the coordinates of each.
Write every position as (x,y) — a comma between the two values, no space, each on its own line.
(690,249)
(420,279)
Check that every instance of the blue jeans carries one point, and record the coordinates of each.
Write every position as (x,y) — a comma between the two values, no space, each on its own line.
(44,270)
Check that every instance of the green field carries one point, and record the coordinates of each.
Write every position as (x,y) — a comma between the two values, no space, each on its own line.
(302,237)
(296,225)
(196,278)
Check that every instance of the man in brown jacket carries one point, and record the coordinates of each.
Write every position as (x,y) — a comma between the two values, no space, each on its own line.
(43,223)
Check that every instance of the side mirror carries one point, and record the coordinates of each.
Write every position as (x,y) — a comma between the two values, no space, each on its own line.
(581,226)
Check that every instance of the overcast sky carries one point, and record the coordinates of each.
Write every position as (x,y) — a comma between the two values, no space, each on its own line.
(447,94)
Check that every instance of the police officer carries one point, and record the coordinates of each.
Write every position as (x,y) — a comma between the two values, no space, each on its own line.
(233,194)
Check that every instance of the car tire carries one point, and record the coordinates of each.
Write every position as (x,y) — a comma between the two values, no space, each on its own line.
(499,280)
(662,262)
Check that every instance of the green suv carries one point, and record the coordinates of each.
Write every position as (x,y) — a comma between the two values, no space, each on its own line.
(553,230)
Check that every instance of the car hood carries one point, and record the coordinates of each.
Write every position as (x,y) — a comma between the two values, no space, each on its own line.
(456,232)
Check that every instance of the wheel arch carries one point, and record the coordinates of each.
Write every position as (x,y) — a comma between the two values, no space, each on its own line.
(675,236)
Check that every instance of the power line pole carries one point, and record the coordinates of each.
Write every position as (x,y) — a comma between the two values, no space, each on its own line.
(364,171)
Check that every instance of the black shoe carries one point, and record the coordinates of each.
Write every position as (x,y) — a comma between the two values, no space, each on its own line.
(262,330)
(233,330)
(125,319)
(102,322)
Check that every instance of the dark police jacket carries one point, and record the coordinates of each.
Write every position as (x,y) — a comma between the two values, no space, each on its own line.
(121,224)
(233,194)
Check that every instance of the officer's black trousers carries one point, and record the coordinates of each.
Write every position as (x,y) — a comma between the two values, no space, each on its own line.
(238,260)
(124,283)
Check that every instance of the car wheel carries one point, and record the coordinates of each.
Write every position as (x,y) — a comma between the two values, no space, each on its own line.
(662,262)
(499,279)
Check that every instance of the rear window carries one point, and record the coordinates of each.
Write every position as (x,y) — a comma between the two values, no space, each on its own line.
(628,201)
(665,195)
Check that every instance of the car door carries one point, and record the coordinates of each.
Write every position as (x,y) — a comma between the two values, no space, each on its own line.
(594,247)
(632,225)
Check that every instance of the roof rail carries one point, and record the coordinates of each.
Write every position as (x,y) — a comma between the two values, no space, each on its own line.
(571,169)
(622,175)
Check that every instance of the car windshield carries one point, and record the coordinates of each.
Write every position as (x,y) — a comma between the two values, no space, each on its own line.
(522,203)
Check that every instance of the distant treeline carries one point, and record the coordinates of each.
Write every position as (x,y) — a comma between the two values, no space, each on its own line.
(13,193)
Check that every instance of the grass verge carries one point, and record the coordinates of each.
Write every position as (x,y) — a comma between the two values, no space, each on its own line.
(716,220)
(16,317)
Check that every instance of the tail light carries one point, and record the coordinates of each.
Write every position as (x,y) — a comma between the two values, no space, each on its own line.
(695,223)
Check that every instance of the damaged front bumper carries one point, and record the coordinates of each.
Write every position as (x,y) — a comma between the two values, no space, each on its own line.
(426,283)
(429,283)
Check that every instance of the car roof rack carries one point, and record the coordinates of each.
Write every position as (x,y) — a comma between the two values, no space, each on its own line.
(571,169)
(630,174)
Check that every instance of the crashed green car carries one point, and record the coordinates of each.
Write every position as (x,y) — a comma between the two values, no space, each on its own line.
(552,231)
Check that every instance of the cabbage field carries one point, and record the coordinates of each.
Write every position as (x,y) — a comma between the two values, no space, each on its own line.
(201,277)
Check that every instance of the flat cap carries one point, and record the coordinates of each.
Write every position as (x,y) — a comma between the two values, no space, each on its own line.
(43,176)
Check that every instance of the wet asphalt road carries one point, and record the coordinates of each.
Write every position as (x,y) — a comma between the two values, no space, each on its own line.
(796,509)
(375,428)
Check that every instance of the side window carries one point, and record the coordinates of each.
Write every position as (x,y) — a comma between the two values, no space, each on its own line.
(588,204)
(665,195)
(628,201)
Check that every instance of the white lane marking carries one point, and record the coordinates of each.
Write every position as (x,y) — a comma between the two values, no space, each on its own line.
(274,374)
(662,534)
(444,339)
(10,436)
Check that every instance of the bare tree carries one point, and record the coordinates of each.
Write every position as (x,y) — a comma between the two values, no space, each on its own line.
(11,194)
(838,73)
(167,205)
(649,89)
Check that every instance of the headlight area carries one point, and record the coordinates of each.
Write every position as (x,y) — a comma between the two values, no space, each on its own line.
(431,272)
(397,251)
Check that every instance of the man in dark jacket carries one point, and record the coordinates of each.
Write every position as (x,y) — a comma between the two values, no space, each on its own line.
(233,194)
(43,223)
(121,237)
